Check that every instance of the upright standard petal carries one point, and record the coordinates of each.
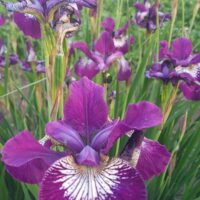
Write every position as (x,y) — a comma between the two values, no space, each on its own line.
(153,159)
(65,135)
(105,44)
(28,24)
(181,48)
(26,159)
(142,115)
(85,109)
(116,179)
(108,24)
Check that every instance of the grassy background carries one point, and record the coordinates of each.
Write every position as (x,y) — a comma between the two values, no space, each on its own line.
(22,108)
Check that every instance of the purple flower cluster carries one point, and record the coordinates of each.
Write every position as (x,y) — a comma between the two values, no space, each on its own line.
(31,15)
(83,169)
(30,64)
(178,64)
(108,49)
(146,15)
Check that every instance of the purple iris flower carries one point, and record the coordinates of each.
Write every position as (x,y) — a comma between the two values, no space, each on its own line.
(178,64)
(31,63)
(84,170)
(30,15)
(122,41)
(146,15)
(109,48)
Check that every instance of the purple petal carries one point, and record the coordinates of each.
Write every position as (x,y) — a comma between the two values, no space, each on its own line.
(64,134)
(88,68)
(26,159)
(40,68)
(117,132)
(122,30)
(124,70)
(113,57)
(190,73)
(88,157)
(163,51)
(153,159)
(142,115)
(101,138)
(81,46)
(140,7)
(105,44)
(190,91)
(123,43)
(195,59)
(87,3)
(108,24)
(85,109)
(181,48)
(114,180)
(28,24)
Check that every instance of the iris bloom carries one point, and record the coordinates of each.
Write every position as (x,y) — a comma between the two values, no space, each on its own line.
(146,15)
(178,64)
(109,48)
(59,14)
(31,63)
(83,170)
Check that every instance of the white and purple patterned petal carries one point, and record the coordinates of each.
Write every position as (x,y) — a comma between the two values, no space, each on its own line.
(153,159)
(193,72)
(124,73)
(116,180)
(86,67)
(85,109)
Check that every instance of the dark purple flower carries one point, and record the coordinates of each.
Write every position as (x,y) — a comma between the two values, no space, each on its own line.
(84,170)
(59,14)
(176,64)
(107,50)
(146,15)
